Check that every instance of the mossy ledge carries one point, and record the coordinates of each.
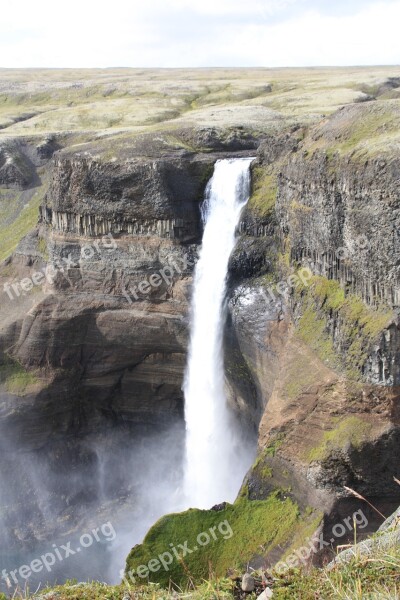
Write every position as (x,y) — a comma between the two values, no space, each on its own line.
(15,378)
(351,430)
(264,192)
(243,530)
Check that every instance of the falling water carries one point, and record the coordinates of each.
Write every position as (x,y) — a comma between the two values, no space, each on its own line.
(215,462)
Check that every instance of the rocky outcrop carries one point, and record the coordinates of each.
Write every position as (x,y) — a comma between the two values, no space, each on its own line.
(258,218)
(387,538)
(149,197)
(342,217)
(16,169)
(145,189)
(20,160)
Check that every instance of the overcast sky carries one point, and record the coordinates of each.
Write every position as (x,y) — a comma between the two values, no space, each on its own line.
(198,33)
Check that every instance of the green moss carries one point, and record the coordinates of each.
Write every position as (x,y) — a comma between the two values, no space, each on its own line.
(42,247)
(311,328)
(268,280)
(261,469)
(244,491)
(311,521)
(299,207)
(283,260)
(360,325)
(329,292)
(266,472)
(15,378)
(263,197)
(350,430)
(273,446)
(255,527)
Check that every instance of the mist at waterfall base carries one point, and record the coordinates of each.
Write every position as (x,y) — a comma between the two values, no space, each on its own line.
(131,480)
(217,455)
(127,481)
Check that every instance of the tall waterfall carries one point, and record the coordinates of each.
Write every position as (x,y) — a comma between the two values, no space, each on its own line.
(215,462)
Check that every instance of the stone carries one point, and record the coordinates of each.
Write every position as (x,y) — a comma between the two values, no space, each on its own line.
(248,583)
(267,593)
(392,522)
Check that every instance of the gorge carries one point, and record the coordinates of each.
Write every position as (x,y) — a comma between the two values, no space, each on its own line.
(93,358)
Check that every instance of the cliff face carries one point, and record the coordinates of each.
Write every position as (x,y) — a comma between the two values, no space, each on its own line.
(318,327)
(138,196)
(339,212)
(93,355)
(342,217)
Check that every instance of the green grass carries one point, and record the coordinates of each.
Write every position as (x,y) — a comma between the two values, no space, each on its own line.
(375,577)
(139,99)
(9,206)
(16,379)
(364,577)
(257,526)
(12,233)
(266,472)
(312,330)
(214,589)
(269,450)
(366,129)
(273,446)
(329,293)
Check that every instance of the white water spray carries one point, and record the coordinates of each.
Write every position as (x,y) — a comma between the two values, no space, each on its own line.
(215,464)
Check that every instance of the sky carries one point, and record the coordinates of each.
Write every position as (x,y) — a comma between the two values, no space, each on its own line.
(198,33)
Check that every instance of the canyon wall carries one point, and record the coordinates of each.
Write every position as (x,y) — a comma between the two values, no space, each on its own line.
(93,357)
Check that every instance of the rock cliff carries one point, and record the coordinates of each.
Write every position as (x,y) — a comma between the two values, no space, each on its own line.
(95,310)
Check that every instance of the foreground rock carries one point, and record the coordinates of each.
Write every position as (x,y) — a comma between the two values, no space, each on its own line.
(248,583)
(387,537)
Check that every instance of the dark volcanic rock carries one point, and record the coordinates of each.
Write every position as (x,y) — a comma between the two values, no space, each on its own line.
(343,218)
(15,168)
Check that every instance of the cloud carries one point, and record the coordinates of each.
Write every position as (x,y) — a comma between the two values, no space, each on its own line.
(192,33)
(365,38)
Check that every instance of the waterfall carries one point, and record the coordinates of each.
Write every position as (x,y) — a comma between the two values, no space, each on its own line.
(215,462)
